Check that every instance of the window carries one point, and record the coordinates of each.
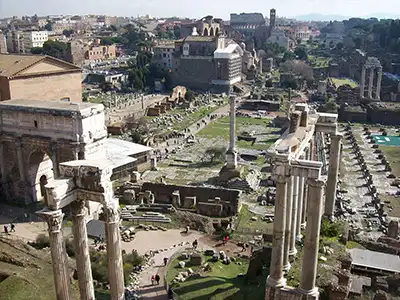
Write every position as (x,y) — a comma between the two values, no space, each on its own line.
(35,124)
(164,55)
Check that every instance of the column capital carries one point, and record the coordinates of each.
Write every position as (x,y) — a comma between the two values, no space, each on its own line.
(318,183)
(53,218)
(78,208)
(282,179)
(110,212)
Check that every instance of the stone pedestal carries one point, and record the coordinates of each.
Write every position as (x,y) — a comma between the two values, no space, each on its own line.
(293,217)
(114,254)
(58,254)
(289,201)
(311,243)
(153,162)
(83,266)
(333,172)
(275,278)
(231,159)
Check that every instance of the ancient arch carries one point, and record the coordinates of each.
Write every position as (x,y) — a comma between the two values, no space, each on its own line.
(39,171)
(211,31)
(205,32)
(216,31)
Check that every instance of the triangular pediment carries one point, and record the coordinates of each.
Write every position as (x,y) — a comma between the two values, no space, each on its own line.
(47,65)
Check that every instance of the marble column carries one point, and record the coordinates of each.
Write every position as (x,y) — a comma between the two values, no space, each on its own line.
(299,212)
(362,84)
(378,84)
(293,214)
(288,216)
(58,253)
(333,172)
(2,163)
(231,154)
(85,280)
(311,243)
(21,162)
(371,82)
(275,278)
(54,159)
(305,204)
(114,253)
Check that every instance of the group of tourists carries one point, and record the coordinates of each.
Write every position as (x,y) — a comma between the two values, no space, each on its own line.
(12,228)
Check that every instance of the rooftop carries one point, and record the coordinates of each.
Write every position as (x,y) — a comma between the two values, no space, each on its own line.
(375,260)
(12,65)
(199,38)
(17,104)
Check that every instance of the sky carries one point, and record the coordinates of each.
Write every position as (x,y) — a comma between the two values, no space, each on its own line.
(198,8)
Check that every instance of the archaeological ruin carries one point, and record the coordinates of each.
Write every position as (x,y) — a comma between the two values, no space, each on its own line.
(299,165)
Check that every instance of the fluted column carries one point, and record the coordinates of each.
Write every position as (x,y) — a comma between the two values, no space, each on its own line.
(275,278)
(333,172)
(289,202)
(83,266)
(293,214)
(311,243)
(21,162)
(362,84)
(58,253)
(371,82)
(378,84)
(299,212)
(54,159)
(231,154)
(114,253)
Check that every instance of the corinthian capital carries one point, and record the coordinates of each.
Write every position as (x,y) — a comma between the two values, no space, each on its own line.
(53,218)
(78,208)
(111,212)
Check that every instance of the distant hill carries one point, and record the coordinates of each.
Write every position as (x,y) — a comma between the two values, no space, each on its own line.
(321,17)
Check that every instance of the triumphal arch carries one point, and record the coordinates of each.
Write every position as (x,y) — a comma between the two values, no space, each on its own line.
(36,136)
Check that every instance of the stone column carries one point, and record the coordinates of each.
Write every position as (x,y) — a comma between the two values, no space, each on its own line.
(83,266)
(299,212)
(114,253)
(21,162)
(371,82)
(333,172)
(305,205)
(362,84)
(58,253)
(378,84)
(275,278)
(292,217)
(261,65)
(54,159)
(311,243)
(289,202)
(2,163)
(231,154)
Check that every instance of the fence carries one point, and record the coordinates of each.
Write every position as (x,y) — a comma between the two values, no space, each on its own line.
(166,285)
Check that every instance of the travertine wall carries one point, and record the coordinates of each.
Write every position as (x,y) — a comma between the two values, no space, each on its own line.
(54,87)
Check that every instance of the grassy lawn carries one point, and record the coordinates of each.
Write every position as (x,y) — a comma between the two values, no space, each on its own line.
(246,224)
(222,282)
(342,81)
(276,75)
(192,118)
(392,154)
(319,62)
(220,129)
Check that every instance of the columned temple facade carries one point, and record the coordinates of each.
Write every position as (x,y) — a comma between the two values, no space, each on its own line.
(300,202)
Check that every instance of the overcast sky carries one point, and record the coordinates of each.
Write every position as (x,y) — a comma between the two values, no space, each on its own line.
(197,8)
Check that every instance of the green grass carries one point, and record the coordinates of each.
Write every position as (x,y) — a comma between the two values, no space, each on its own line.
(342,81)
(319,62)
(222,282)
(246,224)
(193,118)
(392,154)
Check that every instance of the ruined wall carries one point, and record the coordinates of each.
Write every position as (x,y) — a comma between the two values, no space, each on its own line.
(383,116)
(229,199)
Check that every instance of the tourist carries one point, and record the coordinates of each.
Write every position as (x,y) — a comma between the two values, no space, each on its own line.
(195,244)
(165,261)
(12,225)
(244,245)
(226,239)
(158,279)
(153,278)
(187,229)
(6,229)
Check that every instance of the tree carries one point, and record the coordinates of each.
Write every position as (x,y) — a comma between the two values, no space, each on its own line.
(106,41)
(37,50)
(339,46)
(68,32)
(289,55)
(301,53)
(138,82)
(113,28)
(49,26)
(189,96)
(298,41)
(55,48)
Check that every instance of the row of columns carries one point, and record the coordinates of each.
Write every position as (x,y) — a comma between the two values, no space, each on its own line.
(371,82)
(54,220)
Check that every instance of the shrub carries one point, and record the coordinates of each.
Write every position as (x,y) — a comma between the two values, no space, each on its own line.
(42,241)
(134,259)
(69,246)
(331,229)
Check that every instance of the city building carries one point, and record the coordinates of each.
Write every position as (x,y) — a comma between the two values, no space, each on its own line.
(302,32)
(247,23)
(163,55)
(207,63)
(34,39)
(34,77)
(3,43)
(98,53)
(279,37)
(207,26)
(15,42)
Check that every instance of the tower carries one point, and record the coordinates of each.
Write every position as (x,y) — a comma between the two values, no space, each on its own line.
(272,18)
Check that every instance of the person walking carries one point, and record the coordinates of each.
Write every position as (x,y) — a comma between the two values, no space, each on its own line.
(6,229)
(165,261)
(12,225)
(153,278)
(158,279)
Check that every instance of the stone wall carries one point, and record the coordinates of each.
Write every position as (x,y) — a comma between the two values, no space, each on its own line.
(209,200)
(54,87)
